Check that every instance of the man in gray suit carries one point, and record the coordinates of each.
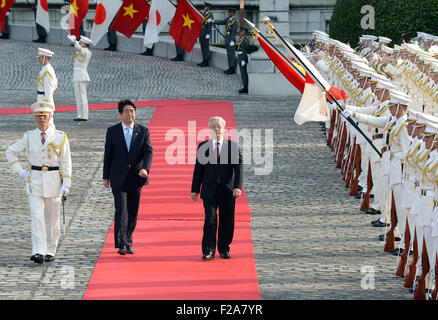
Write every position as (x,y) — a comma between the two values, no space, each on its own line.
(204,36)
(231,27)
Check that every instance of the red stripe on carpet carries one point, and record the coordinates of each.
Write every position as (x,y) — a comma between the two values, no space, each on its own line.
(167,262)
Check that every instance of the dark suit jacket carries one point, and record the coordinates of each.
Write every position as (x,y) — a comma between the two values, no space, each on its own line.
(207,170)
(117,159)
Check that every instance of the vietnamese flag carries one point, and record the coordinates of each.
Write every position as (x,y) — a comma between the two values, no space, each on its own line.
(78,11)
(5,5)
(131,14)
(186,25)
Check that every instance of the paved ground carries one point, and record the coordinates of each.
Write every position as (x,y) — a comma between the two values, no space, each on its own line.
(310,239)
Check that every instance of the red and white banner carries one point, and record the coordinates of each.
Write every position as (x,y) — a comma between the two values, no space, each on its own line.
(42,15)
(106,10)
(160,13)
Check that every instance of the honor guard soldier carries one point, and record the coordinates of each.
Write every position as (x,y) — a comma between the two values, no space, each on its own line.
(46,81)
(231,27)
(47,179)
(204,36)
(80,75)
(242,58)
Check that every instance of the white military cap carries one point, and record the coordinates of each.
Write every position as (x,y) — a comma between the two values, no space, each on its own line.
(370,37)
(386,85)
(42,108)
(398,97)
(431,129)
(433,51)
(85,39)
(384,39)
(45,52)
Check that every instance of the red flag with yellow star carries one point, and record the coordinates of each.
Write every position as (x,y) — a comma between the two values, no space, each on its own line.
(5,5)
(186,25)
(78,11)
(131,14)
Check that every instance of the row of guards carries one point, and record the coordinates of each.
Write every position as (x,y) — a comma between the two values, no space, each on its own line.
(390,153)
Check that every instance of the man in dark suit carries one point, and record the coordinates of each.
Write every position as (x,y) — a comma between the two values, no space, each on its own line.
(127,161)
(218,170)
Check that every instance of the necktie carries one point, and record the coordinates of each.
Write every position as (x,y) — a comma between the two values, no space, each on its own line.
(128,137)
(43,139)
(217,151)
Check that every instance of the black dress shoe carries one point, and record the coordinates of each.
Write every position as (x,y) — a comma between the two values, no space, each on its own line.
(208,256)
(358,195)
(49,258)
(80,119)
(4,36)
(375,221)
(129,250)
(230,71)
(177,58)
(372,211)
(244,90)
(380,224)
(382,237)
(37,258)
(398,251)
(122,251)
(148,52)
(225,255)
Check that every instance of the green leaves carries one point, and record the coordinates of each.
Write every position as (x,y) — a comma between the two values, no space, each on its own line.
(392,18)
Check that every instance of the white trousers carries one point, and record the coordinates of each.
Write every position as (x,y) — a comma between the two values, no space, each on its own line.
(385,199)
(401,211)
(44,224)
(80,88)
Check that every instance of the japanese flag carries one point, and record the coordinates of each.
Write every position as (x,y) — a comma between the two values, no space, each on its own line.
(160,13)
(106,10)
(42,15)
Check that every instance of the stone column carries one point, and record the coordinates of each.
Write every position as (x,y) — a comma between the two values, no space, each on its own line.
(278,12)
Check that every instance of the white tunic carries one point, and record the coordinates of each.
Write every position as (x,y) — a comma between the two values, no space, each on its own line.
(54,153)
(80,63)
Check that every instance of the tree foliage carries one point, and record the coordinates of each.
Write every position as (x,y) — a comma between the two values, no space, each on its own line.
(392,18)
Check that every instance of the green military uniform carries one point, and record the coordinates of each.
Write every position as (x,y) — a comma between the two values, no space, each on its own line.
(5,35)
(204,36)
(112,38)
(232,25)
(42,33)
(242,59)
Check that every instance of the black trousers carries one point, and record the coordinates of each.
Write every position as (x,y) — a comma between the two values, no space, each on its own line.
(126,202)
(226,203)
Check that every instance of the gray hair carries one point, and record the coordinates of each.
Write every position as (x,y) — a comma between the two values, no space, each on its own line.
(215,118)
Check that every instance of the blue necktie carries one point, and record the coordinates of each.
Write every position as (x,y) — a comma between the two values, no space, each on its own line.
(128,137)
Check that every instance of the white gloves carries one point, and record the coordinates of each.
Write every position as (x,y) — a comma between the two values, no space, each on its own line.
(71,37)
(346,113)
(243,63)
(64,191)
(232,44)
(209,20)
(24,174)
(207,36)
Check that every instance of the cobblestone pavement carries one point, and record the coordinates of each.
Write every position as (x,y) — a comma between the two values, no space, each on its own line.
(310,239)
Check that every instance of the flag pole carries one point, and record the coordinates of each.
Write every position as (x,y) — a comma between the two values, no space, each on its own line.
(270,29)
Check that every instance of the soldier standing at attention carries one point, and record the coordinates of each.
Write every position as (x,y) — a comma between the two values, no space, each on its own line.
(204,36)
(242,58)
(46,81)
(47,179)
(80,75)
(231,25)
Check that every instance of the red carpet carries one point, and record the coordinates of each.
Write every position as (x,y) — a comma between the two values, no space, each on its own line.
(167,263)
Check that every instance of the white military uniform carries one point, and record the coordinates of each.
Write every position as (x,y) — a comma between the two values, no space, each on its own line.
(44,184)
(80,76)
(46,81)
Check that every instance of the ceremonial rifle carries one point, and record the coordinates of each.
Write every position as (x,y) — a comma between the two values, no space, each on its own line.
(404,256)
